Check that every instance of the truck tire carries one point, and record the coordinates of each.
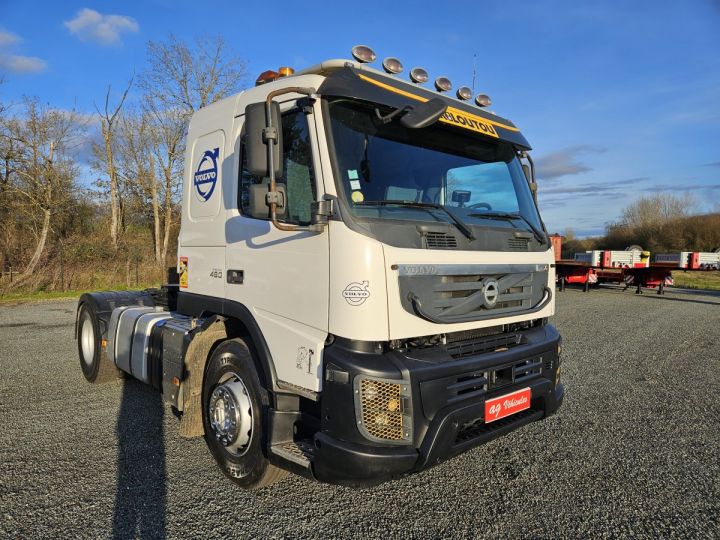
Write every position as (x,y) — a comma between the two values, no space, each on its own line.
(93,361)
(234,404)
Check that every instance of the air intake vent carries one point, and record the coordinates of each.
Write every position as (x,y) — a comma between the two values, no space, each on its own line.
(440,240)
(518,244)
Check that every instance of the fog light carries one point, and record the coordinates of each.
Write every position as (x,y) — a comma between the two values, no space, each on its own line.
(383,409)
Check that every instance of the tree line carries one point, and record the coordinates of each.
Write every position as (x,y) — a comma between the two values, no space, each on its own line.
(133,143)
(660,223)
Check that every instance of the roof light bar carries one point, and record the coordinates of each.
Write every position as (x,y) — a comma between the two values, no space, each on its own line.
(443,84)
(483,100)
(363,53)
(419,75)
(464,93)
(392,65)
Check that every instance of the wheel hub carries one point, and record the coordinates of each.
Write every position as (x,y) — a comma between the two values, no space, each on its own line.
(230,413)
(87,340)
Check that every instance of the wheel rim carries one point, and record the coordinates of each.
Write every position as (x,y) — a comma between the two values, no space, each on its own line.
(87,339)
(231,414)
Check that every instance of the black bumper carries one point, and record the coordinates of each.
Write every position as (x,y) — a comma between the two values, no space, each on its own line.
(445,422)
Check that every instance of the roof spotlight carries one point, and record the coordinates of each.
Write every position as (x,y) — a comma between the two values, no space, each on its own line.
(483,100)
(392,65)
(464,93)
(443,84)
(419,75)
(363,54)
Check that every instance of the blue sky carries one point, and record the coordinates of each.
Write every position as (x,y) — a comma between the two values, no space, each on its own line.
(619,99)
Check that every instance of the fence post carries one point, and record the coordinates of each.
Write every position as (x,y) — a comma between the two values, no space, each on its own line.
(137,276)
(11,274)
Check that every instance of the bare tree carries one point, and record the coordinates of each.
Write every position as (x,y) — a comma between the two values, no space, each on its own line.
(657,209)
(108,121)
(180,80)
(138,162)
(42,170)
(185,78)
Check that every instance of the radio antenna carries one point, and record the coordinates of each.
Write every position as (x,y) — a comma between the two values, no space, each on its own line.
(474,66)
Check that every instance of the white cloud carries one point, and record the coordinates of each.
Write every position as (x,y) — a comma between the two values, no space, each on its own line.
(21,64)
(7,38)
(90,25)
(17,63)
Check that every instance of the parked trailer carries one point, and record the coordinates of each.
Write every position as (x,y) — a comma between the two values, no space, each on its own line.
(631,267)
(689,260)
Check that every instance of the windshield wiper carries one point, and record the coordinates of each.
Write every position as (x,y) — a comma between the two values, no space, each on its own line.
(539,236)
(460,224)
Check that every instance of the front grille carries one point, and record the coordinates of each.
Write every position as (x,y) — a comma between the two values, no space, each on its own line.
(440,240)
(477,428)
(460,293)
(518,244)
(482,345)
(381,407)
(475,384)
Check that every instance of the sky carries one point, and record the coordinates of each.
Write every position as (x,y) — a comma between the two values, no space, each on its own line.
(619,99)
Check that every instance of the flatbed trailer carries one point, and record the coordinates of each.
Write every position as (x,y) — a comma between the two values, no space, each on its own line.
(632,267)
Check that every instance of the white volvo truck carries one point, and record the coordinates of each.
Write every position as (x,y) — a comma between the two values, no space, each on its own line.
(364,281)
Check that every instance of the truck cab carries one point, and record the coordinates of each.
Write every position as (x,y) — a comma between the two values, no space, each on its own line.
(364,282)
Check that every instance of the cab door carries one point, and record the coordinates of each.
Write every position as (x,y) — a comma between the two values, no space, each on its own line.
(282,277)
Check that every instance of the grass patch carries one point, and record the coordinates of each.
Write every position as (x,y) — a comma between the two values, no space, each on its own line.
(20,297)
(697,280)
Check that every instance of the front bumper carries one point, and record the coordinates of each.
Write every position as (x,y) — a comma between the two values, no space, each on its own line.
(445,422)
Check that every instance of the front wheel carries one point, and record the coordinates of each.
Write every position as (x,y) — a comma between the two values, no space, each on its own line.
(233,405)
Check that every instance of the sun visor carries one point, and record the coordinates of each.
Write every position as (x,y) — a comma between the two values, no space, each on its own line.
(373,88)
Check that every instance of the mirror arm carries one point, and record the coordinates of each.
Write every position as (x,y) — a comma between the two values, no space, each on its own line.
(533,181)
(270,135)
(389,117)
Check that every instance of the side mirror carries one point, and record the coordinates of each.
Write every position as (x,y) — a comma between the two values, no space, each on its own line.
(461,197)
(257,201)
(424,114)
(256,139)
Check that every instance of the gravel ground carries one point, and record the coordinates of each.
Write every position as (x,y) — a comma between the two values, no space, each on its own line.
(633,451)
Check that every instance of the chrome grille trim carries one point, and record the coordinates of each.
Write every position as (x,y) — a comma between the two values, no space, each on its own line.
(467,269)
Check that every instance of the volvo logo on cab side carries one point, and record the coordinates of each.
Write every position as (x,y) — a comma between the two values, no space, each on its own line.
(357,293)
(205,176)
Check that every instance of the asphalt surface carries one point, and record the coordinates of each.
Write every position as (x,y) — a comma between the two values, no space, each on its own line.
(633,452)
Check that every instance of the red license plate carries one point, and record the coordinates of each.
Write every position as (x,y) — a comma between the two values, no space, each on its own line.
(500,407)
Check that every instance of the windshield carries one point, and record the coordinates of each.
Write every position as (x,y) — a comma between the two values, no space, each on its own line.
(384,166)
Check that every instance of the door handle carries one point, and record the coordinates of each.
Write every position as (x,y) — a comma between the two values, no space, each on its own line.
(235,276)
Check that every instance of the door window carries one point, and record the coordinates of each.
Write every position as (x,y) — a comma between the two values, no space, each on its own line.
(298,175)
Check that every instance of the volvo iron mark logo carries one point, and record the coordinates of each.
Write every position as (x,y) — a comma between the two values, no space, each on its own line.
(206,175)
(491,291)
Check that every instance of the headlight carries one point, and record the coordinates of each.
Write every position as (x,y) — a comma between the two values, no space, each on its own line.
(383,408)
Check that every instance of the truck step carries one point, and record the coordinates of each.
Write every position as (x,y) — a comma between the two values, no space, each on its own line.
(299,452)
